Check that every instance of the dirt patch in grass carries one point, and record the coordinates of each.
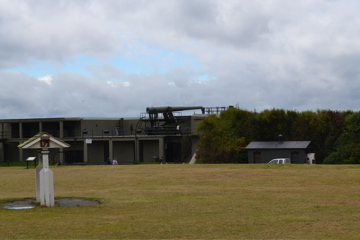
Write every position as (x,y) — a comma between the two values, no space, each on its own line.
(75,202)
(20,204)
(62,202)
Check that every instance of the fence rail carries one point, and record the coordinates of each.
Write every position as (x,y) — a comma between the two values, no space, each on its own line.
(105,133)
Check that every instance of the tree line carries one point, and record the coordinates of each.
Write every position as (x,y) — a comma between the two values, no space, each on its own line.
(335,135)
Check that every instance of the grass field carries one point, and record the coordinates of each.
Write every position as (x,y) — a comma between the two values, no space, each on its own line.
(189,202)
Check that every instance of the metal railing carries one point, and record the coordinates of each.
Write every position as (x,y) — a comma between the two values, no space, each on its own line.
(104,133)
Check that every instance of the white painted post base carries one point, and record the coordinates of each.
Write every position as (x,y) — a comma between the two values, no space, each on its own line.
(45,182)
(44,176)
(37,177)
(47,188)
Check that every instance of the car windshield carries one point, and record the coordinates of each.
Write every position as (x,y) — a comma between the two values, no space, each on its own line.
(274,161)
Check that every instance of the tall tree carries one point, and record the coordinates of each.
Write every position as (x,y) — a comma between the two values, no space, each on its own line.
(225,136)
(347,146)
(220,142)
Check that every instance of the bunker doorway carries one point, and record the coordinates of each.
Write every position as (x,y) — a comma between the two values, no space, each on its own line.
(173,152)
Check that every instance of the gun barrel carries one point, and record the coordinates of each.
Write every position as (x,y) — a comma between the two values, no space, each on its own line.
(170,109)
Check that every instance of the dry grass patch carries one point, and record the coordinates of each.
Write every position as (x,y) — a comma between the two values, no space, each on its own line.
(189,202)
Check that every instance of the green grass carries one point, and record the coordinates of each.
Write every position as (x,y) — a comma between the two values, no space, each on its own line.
(189,202)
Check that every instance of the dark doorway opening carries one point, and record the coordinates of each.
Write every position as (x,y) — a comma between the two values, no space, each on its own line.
(106,150)
(74,156)
(174,152)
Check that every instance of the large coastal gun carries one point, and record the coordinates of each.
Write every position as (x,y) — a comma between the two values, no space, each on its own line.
(168,114)
(165,120)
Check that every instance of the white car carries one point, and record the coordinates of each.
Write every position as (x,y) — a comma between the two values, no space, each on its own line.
(280,161)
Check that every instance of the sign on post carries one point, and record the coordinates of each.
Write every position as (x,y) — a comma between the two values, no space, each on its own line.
(30,159)
(44,141)
(43,174)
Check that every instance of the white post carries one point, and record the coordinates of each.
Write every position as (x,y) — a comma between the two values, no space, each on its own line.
(37,177)
(43,174)
(37,170)
(46,182)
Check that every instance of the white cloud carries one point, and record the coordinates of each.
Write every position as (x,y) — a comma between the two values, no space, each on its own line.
(117,84)
(270,53)
(46,79)
(126,84)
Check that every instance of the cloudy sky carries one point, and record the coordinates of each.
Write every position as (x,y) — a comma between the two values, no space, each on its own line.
(114,58)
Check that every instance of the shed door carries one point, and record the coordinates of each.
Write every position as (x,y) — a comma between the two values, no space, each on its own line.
(257,157)
(295,157)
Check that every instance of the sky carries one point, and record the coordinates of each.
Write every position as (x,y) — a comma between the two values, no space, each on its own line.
(115,58)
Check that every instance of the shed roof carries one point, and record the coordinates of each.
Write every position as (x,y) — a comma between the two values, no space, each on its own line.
(279,145)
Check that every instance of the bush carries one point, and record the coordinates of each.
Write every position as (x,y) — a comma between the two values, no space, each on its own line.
(332,158)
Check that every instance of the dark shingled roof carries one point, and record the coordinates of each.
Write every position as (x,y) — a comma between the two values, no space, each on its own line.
(279,145)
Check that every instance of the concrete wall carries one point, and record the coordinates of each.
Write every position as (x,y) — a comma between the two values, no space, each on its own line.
(96,127)
(124,151)
(97,152)
(103,144)
(125,125)
(148,149)
(195,120)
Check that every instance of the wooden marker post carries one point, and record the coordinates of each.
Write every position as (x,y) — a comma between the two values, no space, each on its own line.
(44,175)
